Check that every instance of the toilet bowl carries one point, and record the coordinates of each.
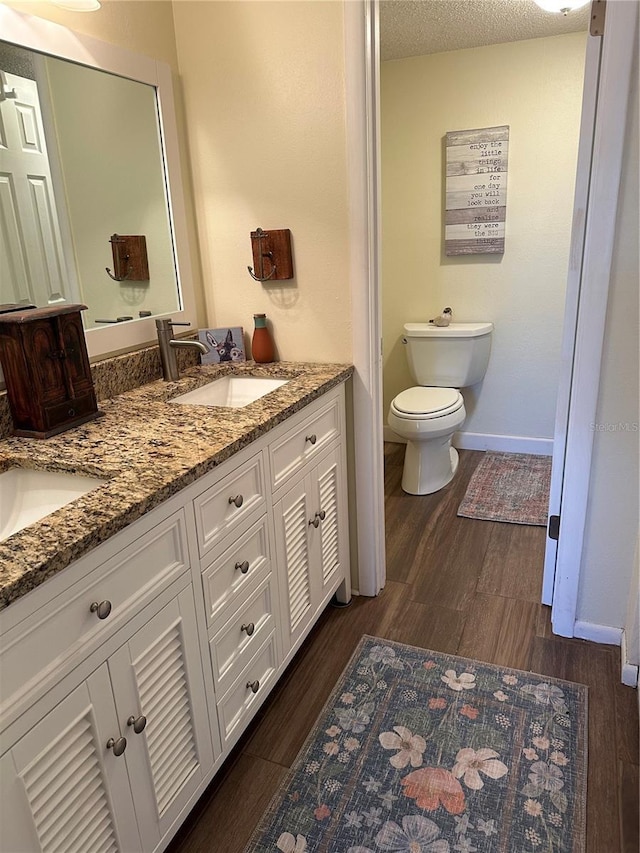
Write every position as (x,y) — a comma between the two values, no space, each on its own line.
(427,418)
(441,360)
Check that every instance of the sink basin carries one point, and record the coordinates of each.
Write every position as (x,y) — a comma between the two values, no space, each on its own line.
(27,496)
(231,391)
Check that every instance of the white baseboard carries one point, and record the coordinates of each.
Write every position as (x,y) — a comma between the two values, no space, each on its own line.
(482,441)
(598,633)
(503,443)
(629,670)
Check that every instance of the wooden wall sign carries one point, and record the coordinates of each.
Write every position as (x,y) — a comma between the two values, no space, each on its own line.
(476,190)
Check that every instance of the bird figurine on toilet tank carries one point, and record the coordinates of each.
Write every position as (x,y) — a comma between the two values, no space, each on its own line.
(443,319)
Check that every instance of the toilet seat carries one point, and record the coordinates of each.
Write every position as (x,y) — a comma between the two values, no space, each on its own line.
(425,403)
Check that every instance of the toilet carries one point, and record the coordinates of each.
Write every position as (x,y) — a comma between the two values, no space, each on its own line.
(442,359)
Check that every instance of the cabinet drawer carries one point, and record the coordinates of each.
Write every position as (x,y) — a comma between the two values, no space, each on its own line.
(224,506)
(76,407)
(233,573)
(235,643)
(289,454)
(67,626)
(239,704)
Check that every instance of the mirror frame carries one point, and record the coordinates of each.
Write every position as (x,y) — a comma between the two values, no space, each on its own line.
(46,37)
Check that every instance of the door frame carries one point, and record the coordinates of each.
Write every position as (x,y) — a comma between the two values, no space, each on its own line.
(582,352)
(580,373)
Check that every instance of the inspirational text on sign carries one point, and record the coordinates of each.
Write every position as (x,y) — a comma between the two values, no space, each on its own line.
(476,190)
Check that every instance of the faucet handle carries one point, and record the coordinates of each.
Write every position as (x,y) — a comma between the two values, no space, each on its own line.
(165,323)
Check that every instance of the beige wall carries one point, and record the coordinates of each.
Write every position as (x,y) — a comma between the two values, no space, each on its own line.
(146,27)
(265,106)
(535,87)
(612,511)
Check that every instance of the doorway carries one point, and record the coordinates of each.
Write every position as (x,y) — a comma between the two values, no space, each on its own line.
(512,83)
(591,254)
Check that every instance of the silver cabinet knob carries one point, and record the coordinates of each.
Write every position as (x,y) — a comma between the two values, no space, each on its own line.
(254,685)
(243,566)
(237,501)
(321,515)
(250,628)
(102,608)
(317,518)
(311,438)
(138,723)
(118,746)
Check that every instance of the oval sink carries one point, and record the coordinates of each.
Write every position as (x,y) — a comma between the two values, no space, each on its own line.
(27,496)
(230,391)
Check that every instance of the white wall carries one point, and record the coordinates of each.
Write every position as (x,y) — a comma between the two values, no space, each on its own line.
(632,624)
(535,87)
(265,107)
(612,512)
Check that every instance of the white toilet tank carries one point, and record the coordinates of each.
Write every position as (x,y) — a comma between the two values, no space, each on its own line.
(453,356)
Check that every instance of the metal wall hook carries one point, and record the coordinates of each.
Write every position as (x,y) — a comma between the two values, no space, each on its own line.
(261,235)
(119,277)
(129,258)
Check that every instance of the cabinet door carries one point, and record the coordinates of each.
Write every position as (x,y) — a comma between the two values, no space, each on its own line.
(329,538)
(76,362)
(61,789)
(292,516)
(312,544)
(46,358)
(158,675)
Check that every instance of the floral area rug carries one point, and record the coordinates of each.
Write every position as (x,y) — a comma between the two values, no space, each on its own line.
(510,487)
(420,752)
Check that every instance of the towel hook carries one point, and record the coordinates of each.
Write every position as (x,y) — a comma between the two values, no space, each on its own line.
(260,234)
(119,260)
(119,277)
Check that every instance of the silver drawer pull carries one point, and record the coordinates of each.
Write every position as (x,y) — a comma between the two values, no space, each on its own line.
(118,746)
(254,685)
(243,566)
(102,609)
(250,628)
(318,517)
(138,723)
(237,501)
(311,438)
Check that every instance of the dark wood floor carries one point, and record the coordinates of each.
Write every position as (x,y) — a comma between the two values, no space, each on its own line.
(455,585)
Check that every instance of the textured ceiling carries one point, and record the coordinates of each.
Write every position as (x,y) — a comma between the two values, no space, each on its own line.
(417,27)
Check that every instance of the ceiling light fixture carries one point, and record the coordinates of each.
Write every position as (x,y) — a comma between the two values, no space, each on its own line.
(563,6)
(77,5)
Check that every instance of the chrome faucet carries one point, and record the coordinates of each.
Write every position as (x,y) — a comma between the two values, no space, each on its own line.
(168,346)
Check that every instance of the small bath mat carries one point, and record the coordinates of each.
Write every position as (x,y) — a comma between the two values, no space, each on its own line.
(512,487)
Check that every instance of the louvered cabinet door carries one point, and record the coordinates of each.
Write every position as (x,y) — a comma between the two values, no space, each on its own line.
(331,534)
(157,676)
(61,789)
(292,515)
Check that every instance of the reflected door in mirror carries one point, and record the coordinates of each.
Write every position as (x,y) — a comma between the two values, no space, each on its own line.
(32,262)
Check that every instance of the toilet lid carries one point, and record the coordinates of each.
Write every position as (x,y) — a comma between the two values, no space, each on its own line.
(434,402)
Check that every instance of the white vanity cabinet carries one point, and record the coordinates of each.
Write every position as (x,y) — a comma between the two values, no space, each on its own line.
(312,543)
(127,678)
(111,765)
(59,789)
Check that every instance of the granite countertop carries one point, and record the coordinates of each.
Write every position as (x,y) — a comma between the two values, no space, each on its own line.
(146,450)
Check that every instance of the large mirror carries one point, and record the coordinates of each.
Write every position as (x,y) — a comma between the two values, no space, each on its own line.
(88,157)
